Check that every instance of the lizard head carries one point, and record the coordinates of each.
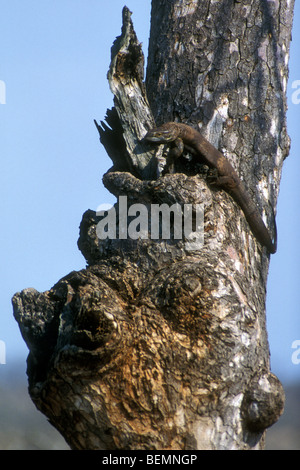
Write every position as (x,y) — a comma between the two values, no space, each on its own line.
(163,134)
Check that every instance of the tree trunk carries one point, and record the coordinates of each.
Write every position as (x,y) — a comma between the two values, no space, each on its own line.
(154,345)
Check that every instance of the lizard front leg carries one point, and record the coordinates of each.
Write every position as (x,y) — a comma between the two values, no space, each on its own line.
(175,152)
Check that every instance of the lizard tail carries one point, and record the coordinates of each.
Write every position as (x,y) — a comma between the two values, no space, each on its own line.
(274,242)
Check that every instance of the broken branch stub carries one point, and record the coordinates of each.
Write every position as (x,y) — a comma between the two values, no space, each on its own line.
(132,116)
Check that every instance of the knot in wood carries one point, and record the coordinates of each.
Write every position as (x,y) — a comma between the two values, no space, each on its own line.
(263,403)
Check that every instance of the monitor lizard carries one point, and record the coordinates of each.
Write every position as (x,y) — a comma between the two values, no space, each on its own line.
(182,135)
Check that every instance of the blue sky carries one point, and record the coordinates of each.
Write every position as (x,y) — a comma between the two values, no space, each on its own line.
(54,60)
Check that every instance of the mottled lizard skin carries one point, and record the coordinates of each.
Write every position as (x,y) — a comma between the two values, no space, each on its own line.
(182,136)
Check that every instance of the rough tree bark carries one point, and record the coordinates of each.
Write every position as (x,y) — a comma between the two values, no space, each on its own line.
(153,346)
